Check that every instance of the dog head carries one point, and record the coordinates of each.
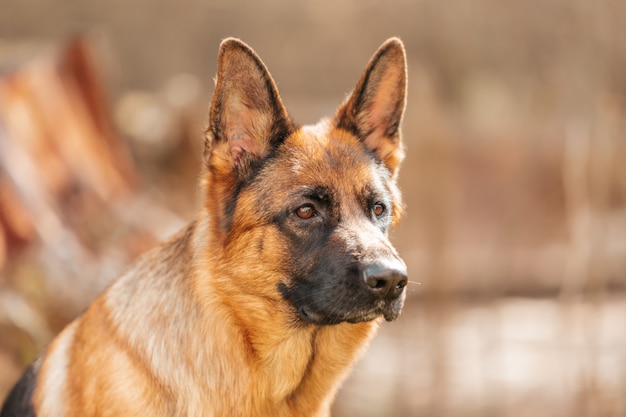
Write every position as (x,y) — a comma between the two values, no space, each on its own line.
(308,209)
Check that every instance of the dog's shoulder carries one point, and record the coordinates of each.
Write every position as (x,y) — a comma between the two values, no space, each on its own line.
(19,403)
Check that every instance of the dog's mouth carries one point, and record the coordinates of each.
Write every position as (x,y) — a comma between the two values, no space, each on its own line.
(309,316)
(390,311)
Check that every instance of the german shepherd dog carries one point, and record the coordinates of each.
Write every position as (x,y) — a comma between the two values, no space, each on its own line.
(260,306)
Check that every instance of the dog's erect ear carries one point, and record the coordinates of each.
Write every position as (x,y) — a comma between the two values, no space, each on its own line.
(247,116)
(373,112)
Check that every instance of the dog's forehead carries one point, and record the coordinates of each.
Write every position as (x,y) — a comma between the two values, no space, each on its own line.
(319,150)
(321,157)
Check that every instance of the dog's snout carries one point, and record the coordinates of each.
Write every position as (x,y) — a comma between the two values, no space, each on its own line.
(385,281)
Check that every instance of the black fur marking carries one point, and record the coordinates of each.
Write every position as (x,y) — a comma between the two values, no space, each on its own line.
(244,181)
(19,403)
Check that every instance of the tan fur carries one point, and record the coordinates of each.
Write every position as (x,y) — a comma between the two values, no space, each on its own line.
(197,326)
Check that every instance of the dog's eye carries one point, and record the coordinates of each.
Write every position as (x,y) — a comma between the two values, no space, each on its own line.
(379,209)
(306,212)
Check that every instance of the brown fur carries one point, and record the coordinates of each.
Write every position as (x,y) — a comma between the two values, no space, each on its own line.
(213,323)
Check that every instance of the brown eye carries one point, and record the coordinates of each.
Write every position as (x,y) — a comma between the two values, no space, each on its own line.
(305,212)
(378,209)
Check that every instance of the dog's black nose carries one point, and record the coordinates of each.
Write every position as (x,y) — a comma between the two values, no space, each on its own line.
(385,281)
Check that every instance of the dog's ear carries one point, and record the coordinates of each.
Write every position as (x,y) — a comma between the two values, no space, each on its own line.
(373,112)
(247,116)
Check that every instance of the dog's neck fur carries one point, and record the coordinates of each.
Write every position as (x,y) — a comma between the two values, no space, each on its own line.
(283,351)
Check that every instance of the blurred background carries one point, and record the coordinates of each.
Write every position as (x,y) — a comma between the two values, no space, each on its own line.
(515,179)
